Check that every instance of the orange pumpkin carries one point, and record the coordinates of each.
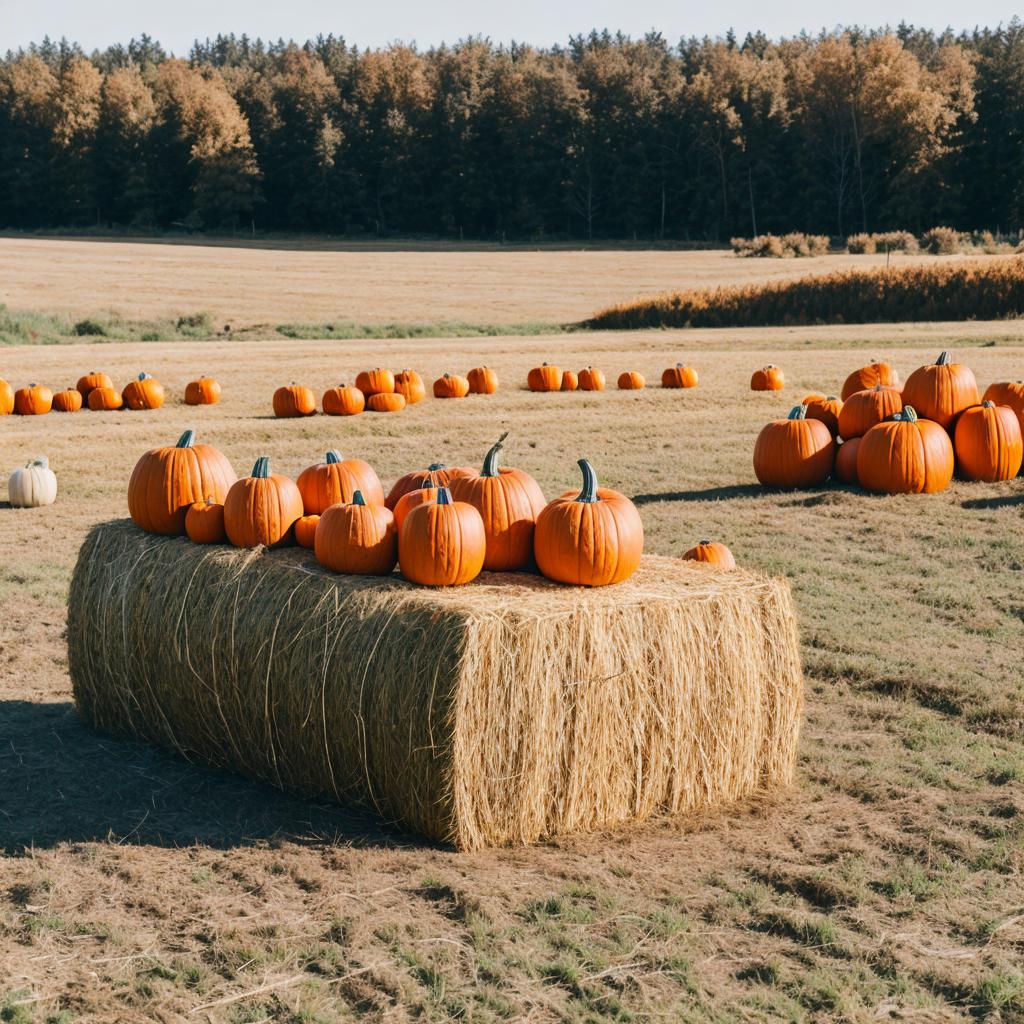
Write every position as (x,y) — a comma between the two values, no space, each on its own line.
(863,409)
(105,399)
(679,376)
(451,385)
(988,442)
(204,522)
(768,378)
(868,377)
(905,455)
(710,551)
(386,401)
(376,382)
(343,401)
(6,398)
(794,452)
(570,380)
(442,543)
(941,391)
(545,377)
(413,499)
(35,400)
(166,481)
(357,538)
(591,379)
(591,539)
(305,531)
(1009,392)
(202,391)
(435,475)
(409,384)
(294,400)
(90,381)
(262,508)
(69,400)
(631,380)
(826,409)
(846,461)
(509,502)
(145,392)
(337,480)
(482,381)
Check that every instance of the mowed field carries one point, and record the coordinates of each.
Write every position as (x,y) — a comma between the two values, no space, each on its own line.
(888,884)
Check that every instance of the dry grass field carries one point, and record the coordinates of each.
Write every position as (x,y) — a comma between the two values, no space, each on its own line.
(887,885)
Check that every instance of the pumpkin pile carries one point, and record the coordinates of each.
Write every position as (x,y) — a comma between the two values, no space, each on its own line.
(96,391)
(548,377)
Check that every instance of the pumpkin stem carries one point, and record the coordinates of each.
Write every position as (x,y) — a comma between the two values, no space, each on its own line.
(703,543)
(187,439)
(435,466)
(943,360)
(491,458)
(909,414)
(831,398)
(589,492)
(144,375)
(798,412)
(332,457)
(357,498)
(989,404)
(444,496)
(262,468)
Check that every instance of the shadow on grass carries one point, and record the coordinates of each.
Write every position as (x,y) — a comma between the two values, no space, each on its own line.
(61,782)
(707,494)
(999,501)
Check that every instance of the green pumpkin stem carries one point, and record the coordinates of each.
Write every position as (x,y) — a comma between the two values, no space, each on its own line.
(187,439)
(435,466)
(909,414)
(703,543)
(332,457)
(144,375)
(798,412)
(988,404)
(491,458)
(944,359)
(262,468)
(357,498)
(589,491)
(444,496)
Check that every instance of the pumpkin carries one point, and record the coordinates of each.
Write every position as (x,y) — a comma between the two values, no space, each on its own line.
(482,381)
(868,377)
(988,442)
(202,391)
(679,376)
(165,481)
(941,391)
(863,409)
(1009,392)
(409,384)
(435,475)
(846,461)
(90,381)
(413,499)
(6,398)
(294,400)
(631,380)
(509,502)
(337,480)
(442,543)
(794,452)
(305,531)
(826,409)
(105,399)
(35,400)
(204,522)
(145,392)
(905,455)
(343,401)
(591,379)
(570,380)
(710,551)
(68,400)
(376,382)
(357,538)
(386,401)
(451,385)
(768,378)
(32,485)
(261,508)
(589,539)
(545,377)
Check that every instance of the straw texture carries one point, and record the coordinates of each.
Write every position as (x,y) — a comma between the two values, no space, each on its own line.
(493,714)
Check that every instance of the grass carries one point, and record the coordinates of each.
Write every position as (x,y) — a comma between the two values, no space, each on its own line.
(24,327)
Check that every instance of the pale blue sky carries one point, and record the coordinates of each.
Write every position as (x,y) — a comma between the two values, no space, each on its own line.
(367,23)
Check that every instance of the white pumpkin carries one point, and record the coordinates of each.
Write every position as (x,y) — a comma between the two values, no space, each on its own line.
(34,485)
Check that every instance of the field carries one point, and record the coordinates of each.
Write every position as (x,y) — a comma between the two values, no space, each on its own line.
(887,885)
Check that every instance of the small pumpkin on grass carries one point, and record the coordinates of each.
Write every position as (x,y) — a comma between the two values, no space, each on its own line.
(546,377)
(357,538)
(336,480)
(6,398)
(90,381)
(262,508)
(592,379)
(343,400)
(825,408)
(846,461)
(591,539)
(631,380)
(202,391)
(768,378)
(713,553)
(409,384)
(679,376)
(482,381)
(905,455)
(570,380)
(305,531)
(68,400)
(386,401)
(863,409)
(105,399)
(145,392)
(940,391)
(988,443)
(442,543)
(451,385)
(35,400)
(794,452)
(294,400)
(377,381)
(32,485)
(868,377)
(204,522)
(437,474)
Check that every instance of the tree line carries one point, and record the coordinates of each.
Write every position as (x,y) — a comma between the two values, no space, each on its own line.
(607,137)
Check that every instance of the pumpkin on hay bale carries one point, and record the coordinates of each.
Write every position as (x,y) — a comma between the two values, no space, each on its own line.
(497,713)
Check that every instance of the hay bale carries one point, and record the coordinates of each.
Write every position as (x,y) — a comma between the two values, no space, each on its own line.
(492,714)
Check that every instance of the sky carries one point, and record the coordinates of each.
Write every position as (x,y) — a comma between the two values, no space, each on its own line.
(175,23)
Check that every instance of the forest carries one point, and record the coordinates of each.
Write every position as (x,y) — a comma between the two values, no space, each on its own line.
(607,137)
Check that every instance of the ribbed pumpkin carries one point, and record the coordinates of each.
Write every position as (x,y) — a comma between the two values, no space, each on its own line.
(863,409)
(631,380)
(357,538)
(768,378)
(570,380)
(413,499)
(905,455)
(825,408)
(846,461)
(376,382)
(868,377)
(711,552)
(679,376)
(35,400)
(386,401)
(591,539)
(261,508)
(941,391)
(794,452)
(482,381)
(435,475)
(202,391)
(343,401)
(145,392)
(451,385)
(6,398)
(591,379)
(204,522)
(294,400)
(69,400)
(442,543)
(167,480)
(337,480)
(409,384)
(1007,392)
(90,381)
(545,377)
(105,399)
(509,502)
(305,531)
(988,443)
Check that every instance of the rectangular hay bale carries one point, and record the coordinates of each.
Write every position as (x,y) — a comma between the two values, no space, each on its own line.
(493,714)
